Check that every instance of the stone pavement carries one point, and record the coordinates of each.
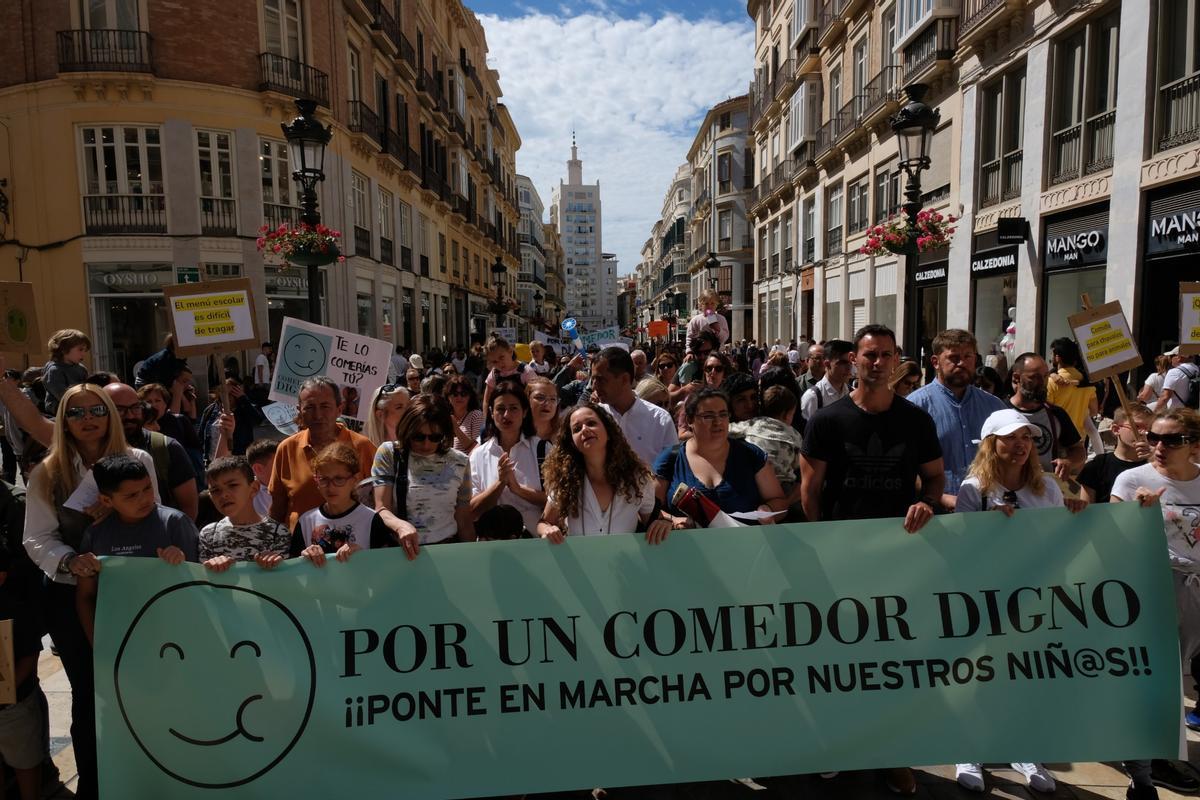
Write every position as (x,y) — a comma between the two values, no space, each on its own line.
(1090,781)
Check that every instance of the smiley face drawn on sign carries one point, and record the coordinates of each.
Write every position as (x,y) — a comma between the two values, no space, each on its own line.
(259,670)
(304,354)
(18,325)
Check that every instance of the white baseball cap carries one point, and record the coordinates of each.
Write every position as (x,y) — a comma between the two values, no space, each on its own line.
(1006,421)
(1174,351)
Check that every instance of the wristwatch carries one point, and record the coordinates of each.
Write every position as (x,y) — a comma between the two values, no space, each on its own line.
(64,566)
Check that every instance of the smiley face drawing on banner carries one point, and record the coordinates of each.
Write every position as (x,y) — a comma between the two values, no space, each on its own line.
(305,354)
(208,739)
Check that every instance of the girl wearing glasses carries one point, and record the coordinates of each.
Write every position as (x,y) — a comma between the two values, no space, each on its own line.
(506,469)
(1171,479)
(543,405)
(465,412)
(340,526)
(387,406)
(422,484)
(731,472)
(86,429)
(595,483)
(1005,476)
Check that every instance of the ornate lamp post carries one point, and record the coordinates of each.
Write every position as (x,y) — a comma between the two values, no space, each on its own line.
(499,308)
(713,265)
(307,139)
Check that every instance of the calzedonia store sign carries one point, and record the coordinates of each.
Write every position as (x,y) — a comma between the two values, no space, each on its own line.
(994,262)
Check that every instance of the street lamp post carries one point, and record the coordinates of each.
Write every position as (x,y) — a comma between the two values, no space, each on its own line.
(913,125)
(713,265)
(498,272)
(307,139)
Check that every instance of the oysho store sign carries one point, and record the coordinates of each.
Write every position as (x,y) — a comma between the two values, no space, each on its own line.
(1077,249)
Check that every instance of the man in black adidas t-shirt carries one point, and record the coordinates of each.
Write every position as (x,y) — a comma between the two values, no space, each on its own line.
(862,454)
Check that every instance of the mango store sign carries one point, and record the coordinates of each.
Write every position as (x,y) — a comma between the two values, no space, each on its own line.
(357,364)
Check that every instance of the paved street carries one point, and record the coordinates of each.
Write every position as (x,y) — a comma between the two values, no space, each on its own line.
(1082,781)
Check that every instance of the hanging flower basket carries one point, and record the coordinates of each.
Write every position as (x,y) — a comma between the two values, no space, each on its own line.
(303,245)
(895,235)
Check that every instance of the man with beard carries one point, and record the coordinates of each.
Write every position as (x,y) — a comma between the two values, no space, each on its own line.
(958,408)
(172,465)
(1060,447)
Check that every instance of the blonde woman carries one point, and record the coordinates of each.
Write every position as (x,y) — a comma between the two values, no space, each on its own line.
(1153,386)
(86,429)
(906,378)
(387,406)
(1005,476)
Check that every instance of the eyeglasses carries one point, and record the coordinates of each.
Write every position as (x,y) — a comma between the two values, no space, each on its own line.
(1169,440)
(544,400)
(79,412)
(460,392)
(420,438)
(332,480)
(713,368)
(713,417)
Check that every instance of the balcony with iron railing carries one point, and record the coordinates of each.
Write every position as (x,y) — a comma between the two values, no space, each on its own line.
(785,78)
(978,18)
(396,146)
(881,95)
(293,78)
(809,251)
(806,55)
(823,144)
(1178,112)
(931,50)
(362,242)
(845,123)
(384,29)
(124,213)
(218,216)
(365,122)
(833,241)
(1083,148)
(830,24)
(105,50)
(408,58)
(386,251)
(276,214)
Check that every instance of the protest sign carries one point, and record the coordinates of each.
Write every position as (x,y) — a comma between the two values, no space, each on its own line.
(210,318)
(1105,341)
(507,334)
(357,364)
(601,336)
(759,651)
(18,320)
(560,345)
(282,416)
(1189,319)
(658,327)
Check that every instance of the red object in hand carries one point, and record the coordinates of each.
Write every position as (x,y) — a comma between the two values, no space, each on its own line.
(697,506)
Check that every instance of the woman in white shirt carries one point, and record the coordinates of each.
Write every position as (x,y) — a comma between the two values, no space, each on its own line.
(505,469)
(1005,476)
(596,484)
(87,428)
(1153,386)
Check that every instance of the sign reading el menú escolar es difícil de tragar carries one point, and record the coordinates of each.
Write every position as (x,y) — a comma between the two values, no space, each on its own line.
(509,667)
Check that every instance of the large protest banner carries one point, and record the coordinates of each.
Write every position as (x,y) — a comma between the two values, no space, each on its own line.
(357,364)
(504,667)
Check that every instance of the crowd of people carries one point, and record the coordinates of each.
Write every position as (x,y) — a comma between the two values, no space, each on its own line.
(485,445)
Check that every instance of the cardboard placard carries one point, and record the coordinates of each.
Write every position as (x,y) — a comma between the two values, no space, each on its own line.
(1105,341)
(8,665)
(18,320)
(1189,319)
(213,317)
(658,327)
(507,334)
(357,364)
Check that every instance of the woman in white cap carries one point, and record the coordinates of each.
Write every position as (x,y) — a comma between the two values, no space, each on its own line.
(1005,476)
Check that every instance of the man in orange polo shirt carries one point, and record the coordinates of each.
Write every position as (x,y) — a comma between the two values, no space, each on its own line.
(293,490)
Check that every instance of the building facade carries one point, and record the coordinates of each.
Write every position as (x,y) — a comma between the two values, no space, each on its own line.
(135,159)
(591,291)
(722,178)
(554,306)
(531,280)
(666,259)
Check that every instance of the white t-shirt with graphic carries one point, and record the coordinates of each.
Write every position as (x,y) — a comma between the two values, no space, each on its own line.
(1180,509)
(360,525)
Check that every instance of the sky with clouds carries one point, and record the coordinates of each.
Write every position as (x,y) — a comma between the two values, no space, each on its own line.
(633,80)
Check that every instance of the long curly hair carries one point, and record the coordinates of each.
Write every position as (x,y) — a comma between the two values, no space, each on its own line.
(564,470)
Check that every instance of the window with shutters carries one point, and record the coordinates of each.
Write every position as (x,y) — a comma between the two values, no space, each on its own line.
(724,173)
(1177,99)
(1001,134)
(1084,110)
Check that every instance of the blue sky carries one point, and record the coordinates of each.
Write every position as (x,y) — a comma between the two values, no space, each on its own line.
(633,80)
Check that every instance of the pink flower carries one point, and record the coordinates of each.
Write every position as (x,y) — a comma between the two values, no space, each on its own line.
(341,259)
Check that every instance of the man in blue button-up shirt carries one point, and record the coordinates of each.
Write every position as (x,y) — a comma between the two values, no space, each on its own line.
(957,407)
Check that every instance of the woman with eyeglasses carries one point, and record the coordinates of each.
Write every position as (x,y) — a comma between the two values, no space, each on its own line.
(506,469)
(465,413)
(387,406)
(731,472)
(422,486)
(1171,480)
(595,482)
(543,405)
(86,429)
(1006,476)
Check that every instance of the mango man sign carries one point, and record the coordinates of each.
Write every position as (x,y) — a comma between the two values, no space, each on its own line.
(506,667)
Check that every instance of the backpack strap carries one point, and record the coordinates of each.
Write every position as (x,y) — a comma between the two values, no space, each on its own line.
(543,447)
(400,480)
(162,462)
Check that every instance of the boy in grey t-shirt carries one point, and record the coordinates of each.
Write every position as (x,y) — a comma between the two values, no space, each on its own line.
(135,526)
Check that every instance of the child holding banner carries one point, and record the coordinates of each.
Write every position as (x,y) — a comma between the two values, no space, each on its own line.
(340,526)
(244,534)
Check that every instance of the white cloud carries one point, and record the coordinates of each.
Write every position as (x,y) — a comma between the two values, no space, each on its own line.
(634,90)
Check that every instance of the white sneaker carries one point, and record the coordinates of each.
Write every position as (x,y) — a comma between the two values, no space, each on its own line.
(1036,775)
(969,776)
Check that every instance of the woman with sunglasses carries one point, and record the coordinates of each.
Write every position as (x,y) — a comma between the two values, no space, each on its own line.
(595,482)
(717,367)
(422,485)
(506,469)
(1171,480)
(906,378)
(387,406)
(464,412)
(86,429)
(731,472)
(1006,476)
(543,405)
(664,368)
